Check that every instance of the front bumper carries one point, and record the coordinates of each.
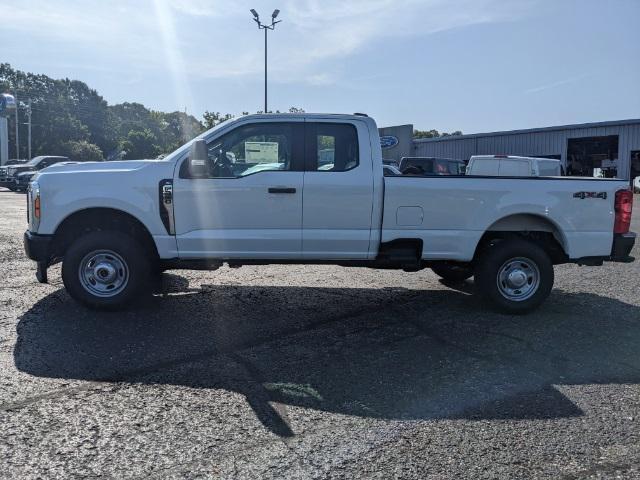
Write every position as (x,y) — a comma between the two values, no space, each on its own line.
(622,245)
(22,183)
(38,247)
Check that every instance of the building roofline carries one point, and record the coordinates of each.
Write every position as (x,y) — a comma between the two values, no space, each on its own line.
(576,126)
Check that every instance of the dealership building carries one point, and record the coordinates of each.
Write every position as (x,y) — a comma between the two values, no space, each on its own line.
(609,149)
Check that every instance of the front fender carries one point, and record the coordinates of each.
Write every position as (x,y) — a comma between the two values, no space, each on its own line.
(134,191)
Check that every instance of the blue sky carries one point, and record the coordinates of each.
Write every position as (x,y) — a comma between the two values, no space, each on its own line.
(473,65)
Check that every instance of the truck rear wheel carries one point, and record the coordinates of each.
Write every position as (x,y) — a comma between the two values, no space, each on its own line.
(452,272)
(105,270)
(515,275)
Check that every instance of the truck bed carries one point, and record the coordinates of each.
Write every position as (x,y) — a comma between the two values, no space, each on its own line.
(451,213)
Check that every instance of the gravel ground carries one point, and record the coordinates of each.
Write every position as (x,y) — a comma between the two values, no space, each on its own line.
(317,372)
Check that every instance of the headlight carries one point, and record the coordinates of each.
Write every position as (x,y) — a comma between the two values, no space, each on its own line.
(11,171)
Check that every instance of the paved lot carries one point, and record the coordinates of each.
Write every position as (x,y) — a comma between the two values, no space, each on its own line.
(317,372)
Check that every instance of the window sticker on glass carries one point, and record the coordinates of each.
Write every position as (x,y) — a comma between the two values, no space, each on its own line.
(261,152)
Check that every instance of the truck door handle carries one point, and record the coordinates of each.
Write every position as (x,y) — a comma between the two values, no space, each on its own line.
(282,190)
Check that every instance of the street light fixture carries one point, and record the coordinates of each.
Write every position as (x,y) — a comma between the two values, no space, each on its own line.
(265,27)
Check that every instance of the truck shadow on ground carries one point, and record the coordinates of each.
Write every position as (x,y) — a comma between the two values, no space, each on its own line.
(383,353)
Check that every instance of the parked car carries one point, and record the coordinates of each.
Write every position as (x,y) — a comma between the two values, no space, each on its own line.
(514,166)
(431,166)
(22,179)
(115,224)
(4,178)
(35,164)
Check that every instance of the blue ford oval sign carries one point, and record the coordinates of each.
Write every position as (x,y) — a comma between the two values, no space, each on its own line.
(388,141)
(7,103)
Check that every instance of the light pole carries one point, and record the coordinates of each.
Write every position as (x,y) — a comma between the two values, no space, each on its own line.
(265,27)
(29,127)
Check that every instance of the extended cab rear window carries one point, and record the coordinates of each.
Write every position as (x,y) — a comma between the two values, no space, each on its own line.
(332,147)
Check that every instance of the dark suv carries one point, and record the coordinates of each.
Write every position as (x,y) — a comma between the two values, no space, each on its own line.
(24,178)
(9,173)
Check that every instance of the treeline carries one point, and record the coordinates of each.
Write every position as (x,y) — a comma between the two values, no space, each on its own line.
(433,133)
(70,118)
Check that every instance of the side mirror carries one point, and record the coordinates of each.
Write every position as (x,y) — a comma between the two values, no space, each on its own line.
(198,159)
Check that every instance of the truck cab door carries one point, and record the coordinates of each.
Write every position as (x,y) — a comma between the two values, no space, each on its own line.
(338,191)
(247,202)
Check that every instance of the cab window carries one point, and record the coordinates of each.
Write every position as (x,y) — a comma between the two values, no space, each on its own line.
(332,147)
(254,148)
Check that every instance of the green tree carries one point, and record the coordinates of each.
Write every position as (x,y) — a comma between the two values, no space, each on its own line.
(433,133)
(62,110)
(82,151)
(211,119)
(445,134)
(140,144)
(169,129)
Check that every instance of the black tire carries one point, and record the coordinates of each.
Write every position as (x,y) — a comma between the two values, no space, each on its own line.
(520,258)
(452,272)
(129,269)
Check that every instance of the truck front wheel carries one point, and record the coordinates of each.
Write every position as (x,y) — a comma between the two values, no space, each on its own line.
(515,275)
(105,270)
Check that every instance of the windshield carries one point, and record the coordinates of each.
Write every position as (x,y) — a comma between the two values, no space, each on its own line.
(33,162)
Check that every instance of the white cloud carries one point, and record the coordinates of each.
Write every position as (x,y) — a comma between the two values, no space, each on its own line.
(319,79)
(81,27)
(205,8)
(216,38)
(316,31)
(556,84)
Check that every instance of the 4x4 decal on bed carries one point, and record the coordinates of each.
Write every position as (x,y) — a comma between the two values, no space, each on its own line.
(583,195)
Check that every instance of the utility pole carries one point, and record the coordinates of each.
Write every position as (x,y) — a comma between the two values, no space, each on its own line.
(264,27)
(17,125)
(265,70)
(29,127)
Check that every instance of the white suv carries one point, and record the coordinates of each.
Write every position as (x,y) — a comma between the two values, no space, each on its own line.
(513,166)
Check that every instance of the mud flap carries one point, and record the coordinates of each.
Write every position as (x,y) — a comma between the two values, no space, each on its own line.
(41,272)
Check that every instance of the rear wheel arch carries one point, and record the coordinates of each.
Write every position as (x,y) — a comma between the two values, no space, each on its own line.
(531,227)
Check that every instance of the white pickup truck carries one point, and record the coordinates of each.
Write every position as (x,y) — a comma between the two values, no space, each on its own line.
(309,188)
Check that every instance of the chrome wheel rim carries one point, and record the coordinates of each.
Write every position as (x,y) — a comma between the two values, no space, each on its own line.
(518,279)
(103,273)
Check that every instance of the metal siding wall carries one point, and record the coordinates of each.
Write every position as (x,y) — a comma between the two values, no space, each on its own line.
(460,148)
(535,143)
